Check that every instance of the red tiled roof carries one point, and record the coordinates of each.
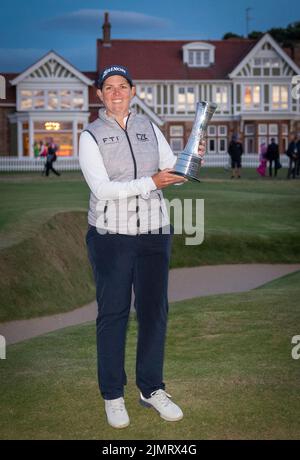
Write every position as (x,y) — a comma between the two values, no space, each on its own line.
(163,59)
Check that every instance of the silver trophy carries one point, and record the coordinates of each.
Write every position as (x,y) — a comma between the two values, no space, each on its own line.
(188,163)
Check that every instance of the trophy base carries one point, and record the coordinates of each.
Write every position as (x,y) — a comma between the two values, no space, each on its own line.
(188,166)
(190,178)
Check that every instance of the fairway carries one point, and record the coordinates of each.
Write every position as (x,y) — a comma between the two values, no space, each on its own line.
(44,267)
(228,364)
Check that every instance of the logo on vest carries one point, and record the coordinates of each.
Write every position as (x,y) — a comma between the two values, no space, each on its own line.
(111,140)
(142,137)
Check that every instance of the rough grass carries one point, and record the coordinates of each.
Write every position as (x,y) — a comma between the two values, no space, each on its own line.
(228,364)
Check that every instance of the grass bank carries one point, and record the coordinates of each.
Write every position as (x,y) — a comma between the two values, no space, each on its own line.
(43,261)
(228,364)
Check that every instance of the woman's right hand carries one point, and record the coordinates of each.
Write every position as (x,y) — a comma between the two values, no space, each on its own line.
(165,178)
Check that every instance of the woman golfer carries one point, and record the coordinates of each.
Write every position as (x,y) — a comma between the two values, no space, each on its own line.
(126,161)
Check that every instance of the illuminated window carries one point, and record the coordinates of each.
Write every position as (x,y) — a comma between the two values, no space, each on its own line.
(186,99)
(65,99)
(26,99)
(52,100)
(251,97)
(221,97)
(146,93)
(280,97)
(78,100)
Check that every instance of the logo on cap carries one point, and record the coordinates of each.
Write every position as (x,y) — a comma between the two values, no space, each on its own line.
(113,69)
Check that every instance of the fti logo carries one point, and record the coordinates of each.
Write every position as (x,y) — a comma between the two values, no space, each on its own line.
(111,140)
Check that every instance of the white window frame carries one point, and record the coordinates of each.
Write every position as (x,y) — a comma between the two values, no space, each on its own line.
(252,107)
(208,144)
(224,95)
(187,107)
(176,130)
(198,58)
(46,91)
(220,139)
(195,47)
(211,131)
(176,139)
(262,129)
(141,87)
(273,129)
(249,132)
(280,102)
(225,130)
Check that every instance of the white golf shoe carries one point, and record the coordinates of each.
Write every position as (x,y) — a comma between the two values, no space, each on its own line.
(160,401)
(116,413)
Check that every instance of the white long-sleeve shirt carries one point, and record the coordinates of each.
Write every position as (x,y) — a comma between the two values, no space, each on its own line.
(96,176)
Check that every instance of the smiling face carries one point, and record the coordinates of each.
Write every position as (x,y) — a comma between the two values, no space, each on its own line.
(116,95)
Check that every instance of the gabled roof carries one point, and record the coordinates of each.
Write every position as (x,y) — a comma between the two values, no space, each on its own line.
(51,55)
(267,38)
(163,59)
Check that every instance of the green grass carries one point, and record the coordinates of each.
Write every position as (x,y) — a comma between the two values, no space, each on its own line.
(43,261)
(228,364)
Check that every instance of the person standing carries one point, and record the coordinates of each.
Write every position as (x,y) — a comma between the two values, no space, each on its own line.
(51,158)
(262,160)
(235,151)
(126,161)
(273,156)
(293,152)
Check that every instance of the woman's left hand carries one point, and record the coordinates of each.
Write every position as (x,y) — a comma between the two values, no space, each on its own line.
(202,148)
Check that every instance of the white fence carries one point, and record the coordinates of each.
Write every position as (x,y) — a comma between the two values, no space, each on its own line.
(72,164)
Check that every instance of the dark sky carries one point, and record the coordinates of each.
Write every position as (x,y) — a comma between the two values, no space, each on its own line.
(30,28)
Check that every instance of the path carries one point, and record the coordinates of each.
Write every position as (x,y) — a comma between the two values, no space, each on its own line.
(184,283)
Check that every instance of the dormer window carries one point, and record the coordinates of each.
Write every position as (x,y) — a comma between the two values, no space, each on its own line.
(198,54)
(198,58)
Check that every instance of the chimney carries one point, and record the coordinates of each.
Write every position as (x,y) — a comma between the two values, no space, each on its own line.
(106,31)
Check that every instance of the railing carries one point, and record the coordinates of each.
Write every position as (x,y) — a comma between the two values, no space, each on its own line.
(37,164)
(212,160)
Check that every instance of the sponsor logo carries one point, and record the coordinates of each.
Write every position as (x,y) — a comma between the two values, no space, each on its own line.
(142,137)
(114,69)
(111,140)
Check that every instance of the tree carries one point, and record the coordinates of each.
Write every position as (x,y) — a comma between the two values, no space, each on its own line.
(231,35)
(280,34)
(255,35)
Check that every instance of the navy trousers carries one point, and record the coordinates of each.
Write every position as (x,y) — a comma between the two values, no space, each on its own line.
(120,262)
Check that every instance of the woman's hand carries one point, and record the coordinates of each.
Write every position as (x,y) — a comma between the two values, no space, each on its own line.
(165,178)
(202,148)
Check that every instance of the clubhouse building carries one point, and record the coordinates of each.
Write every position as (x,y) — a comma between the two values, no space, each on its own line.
(252,81)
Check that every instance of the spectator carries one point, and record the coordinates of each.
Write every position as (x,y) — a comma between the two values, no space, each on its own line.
(262,159)
(273,156)
(36,149)
(293,152)
(51,158)
(235,151)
